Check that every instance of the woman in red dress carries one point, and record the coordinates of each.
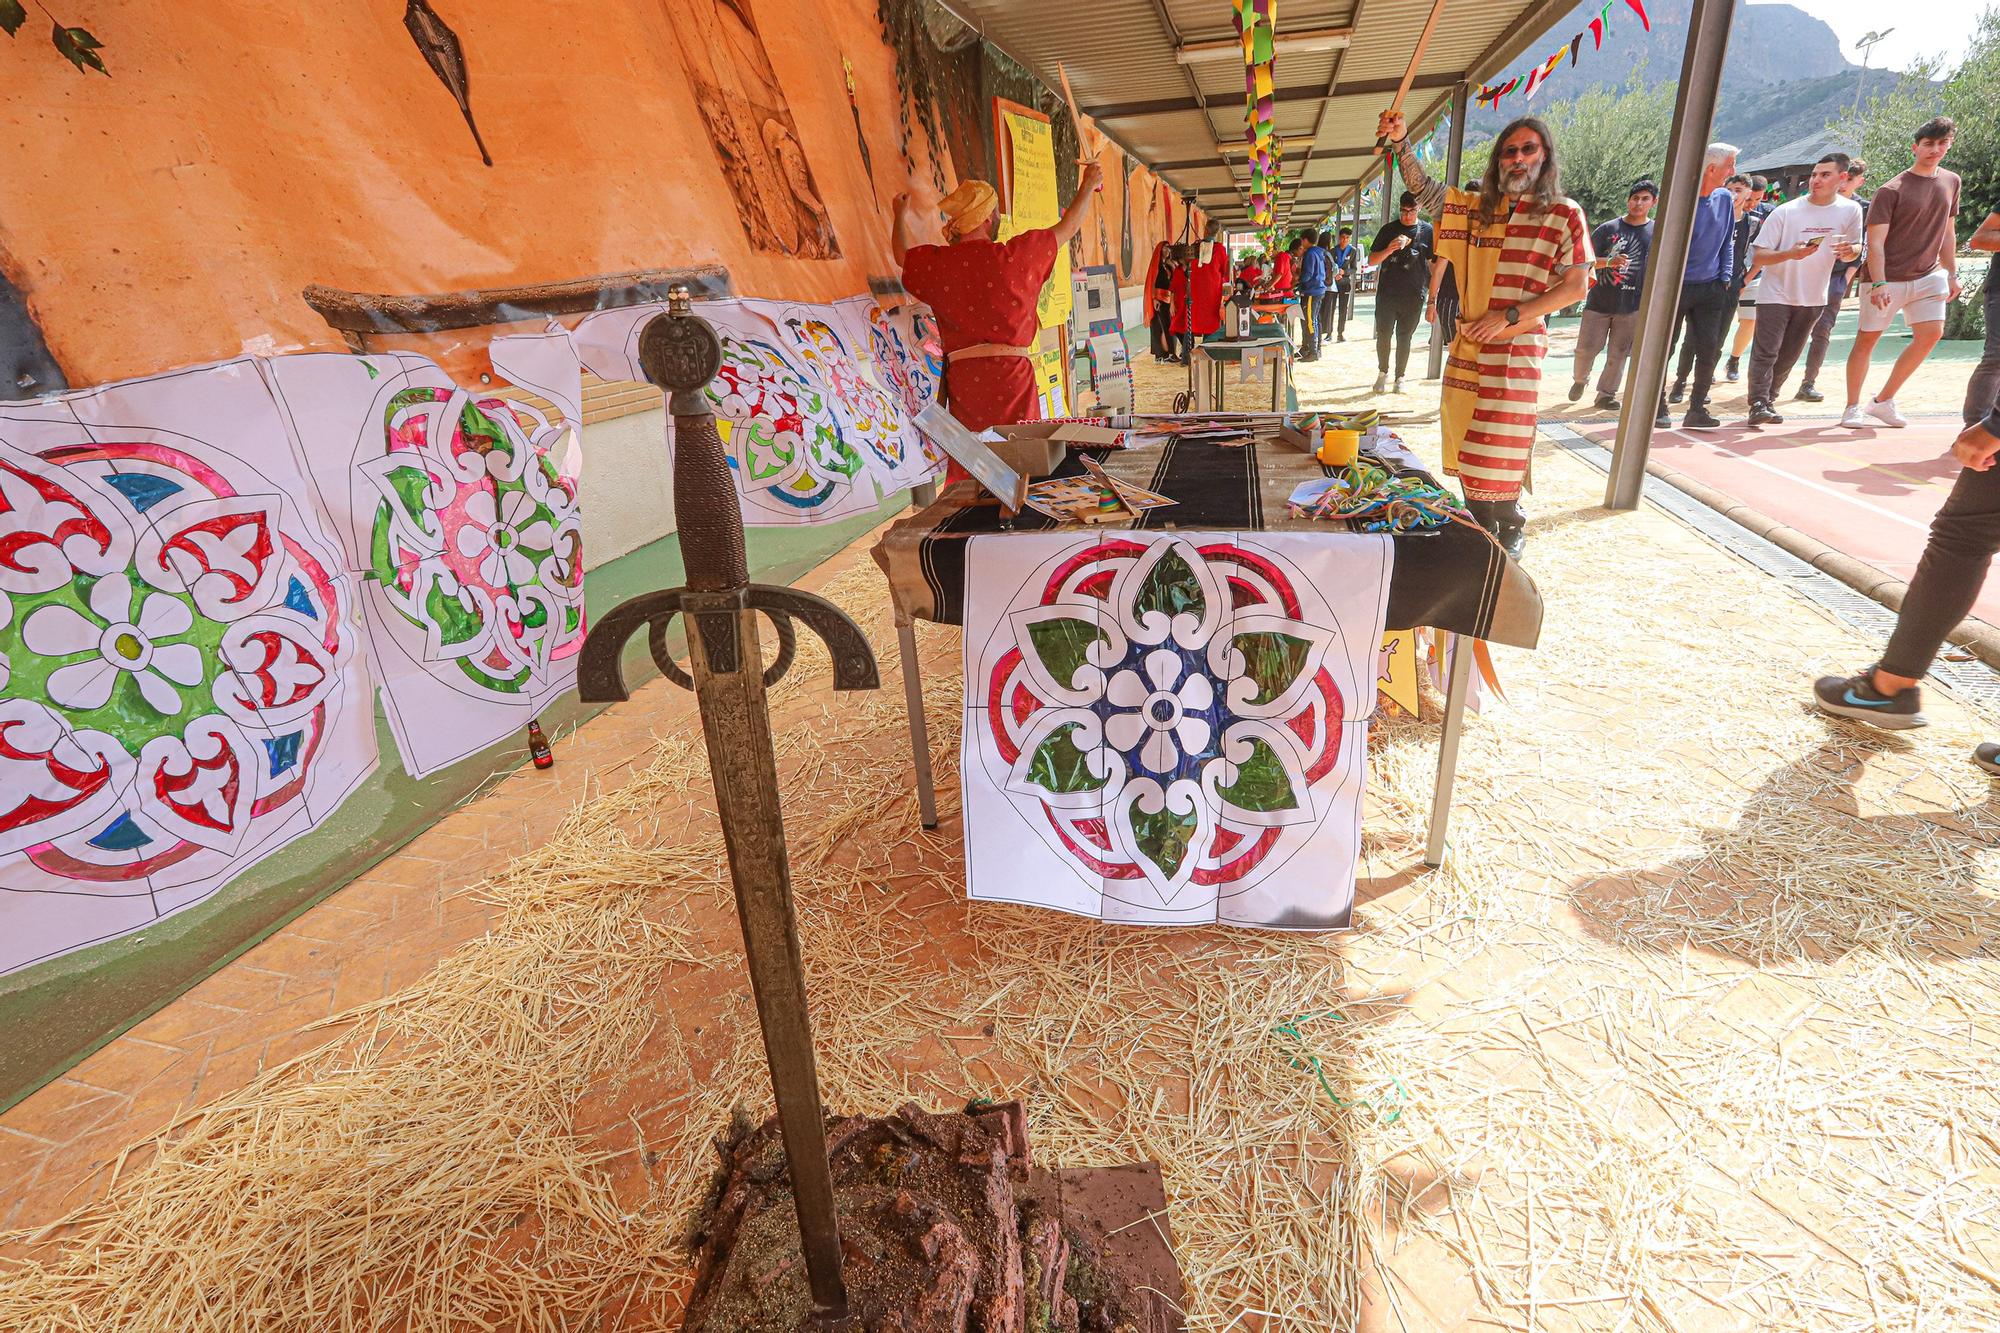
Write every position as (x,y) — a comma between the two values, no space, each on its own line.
(983,293)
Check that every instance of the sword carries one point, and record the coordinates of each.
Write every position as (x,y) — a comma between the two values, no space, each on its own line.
(680,352)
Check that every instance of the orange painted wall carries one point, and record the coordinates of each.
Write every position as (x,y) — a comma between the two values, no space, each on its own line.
(244,149)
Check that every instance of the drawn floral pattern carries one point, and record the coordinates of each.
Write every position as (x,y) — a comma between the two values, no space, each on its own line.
(477,540)
(1168,708)
(170,649)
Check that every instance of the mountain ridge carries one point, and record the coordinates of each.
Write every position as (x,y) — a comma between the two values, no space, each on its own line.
(1766,101)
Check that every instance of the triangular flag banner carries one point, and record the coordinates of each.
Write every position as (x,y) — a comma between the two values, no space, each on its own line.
(1575,43)
(1534,82)
(1639,8)
(1597,34)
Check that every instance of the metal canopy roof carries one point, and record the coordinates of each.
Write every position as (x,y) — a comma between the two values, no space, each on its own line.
(1338,64)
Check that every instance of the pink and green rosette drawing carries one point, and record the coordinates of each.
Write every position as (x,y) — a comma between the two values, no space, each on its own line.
(476,540)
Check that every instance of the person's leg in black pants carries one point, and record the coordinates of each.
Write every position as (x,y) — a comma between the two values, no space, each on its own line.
(1710,317)
(1345,305)
(1964,536)
(1982,390)
(1405,314)
(1686,364)
(1163,340)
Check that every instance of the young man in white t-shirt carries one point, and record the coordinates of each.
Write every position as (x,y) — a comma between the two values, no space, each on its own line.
(1796,250)
(1912,268)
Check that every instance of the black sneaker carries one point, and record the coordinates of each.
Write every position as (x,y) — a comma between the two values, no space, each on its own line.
(1808,394)
(1763,414)
(1606,403)
(1661,421)
(1699,418)
(1679,391)
(1575,391)
(1987,756)
(1856,697)
(1733,370)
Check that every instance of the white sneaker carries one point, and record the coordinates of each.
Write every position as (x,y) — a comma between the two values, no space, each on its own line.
(1884,411)
(1399,386)
(1381,384)
(1855,418)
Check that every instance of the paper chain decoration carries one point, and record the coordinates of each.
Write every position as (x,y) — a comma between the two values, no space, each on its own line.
(1490,94)
(1257,22)
(1375,499)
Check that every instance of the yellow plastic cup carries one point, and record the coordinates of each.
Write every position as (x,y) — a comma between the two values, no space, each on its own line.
(1338,448)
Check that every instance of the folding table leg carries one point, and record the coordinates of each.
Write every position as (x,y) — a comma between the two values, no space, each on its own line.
(920,740)
(1458,687)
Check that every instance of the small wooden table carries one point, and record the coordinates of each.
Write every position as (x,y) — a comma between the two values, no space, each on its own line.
(1212,360)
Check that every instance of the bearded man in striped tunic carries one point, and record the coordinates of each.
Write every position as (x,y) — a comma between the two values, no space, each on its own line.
(1520,251)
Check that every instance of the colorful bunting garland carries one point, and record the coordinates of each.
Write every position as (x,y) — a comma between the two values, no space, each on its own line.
(1490,94)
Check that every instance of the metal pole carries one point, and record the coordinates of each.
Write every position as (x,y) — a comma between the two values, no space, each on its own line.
(1453,159)
(1666,263)
(1460,678)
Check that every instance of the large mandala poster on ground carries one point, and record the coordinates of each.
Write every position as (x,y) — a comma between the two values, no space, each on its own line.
(459,512)
(181,688)
(1170,728)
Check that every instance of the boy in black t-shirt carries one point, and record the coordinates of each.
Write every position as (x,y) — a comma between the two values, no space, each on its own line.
(1611,311)
(1403,253)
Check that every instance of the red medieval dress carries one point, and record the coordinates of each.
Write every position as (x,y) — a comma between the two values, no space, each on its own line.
(1200,311)
(983,294)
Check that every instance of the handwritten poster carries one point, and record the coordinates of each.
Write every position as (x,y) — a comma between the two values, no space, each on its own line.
(1029,146)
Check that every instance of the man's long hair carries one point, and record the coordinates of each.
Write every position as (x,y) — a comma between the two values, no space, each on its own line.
(1548,186)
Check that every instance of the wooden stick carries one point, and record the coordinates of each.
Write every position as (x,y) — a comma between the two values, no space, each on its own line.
(1410,74)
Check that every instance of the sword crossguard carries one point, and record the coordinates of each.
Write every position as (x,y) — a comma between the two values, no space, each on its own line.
(600,676)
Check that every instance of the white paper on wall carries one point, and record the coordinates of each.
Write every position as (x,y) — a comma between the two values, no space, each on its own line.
(185,690)
(792,459)
(458,518)
(1170,728)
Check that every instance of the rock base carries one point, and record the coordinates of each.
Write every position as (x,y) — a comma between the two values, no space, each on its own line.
(946,1227)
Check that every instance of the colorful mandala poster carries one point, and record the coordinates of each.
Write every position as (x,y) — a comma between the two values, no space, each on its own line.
(1170,728)
(182,690)
(458,510)
(813,401)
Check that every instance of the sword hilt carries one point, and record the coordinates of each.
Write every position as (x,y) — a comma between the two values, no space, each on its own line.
(681,353)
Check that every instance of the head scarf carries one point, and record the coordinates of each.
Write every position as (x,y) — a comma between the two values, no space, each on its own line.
(966,207)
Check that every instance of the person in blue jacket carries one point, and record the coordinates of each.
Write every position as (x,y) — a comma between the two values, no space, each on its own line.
(1315,271)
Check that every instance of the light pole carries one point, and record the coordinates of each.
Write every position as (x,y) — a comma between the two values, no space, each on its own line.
(1867,45)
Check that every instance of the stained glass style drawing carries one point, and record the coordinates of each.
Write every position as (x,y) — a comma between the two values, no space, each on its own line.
(813,412)
(183,690)
(1170,727)
(459,510)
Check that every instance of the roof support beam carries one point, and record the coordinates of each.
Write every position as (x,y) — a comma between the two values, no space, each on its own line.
(1163,106)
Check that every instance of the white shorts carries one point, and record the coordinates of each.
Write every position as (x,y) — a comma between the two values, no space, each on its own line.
(1921,300)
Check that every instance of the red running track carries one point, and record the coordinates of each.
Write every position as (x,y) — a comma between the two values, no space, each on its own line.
(1867,493)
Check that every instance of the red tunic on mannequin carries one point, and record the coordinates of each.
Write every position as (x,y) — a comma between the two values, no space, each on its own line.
(984,292)
(1200,311)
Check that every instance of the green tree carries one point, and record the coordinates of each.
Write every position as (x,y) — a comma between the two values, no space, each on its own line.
(1606,139)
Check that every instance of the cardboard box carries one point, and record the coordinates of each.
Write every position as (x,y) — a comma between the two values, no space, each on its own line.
(1036,448)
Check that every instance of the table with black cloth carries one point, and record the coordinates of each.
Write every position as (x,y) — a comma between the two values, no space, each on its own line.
(1455,579)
